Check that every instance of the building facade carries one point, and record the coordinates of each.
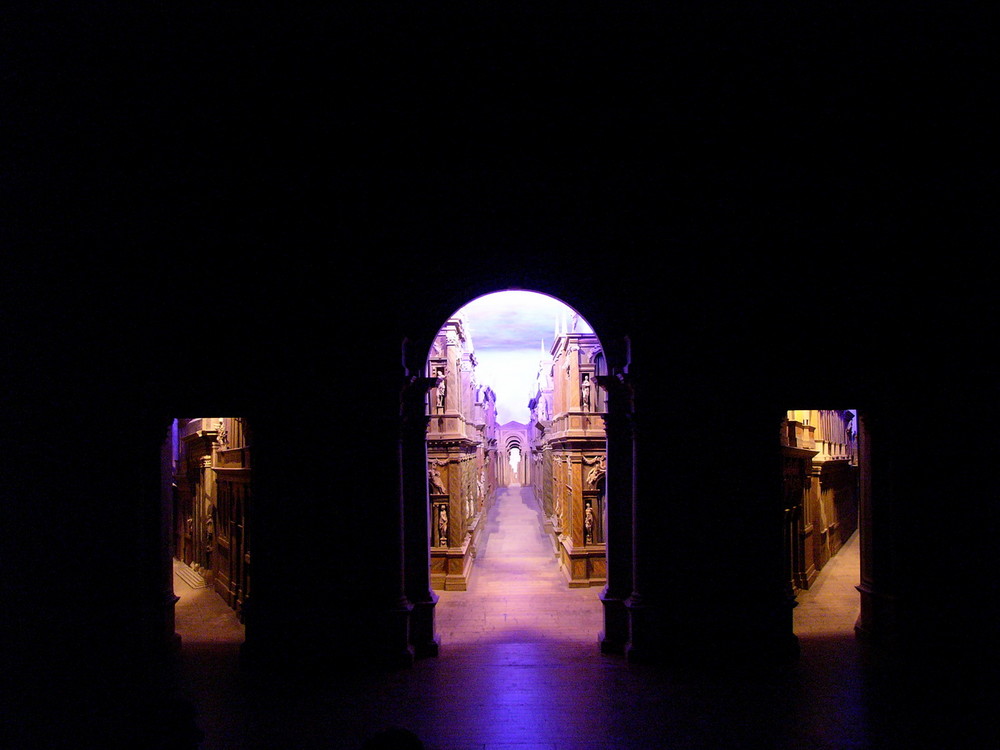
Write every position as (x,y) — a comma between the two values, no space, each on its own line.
(568,456)
(462,463)
(821,488)
(211,500)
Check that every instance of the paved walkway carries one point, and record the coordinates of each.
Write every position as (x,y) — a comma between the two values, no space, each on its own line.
(520,670)
(832,605)
(516,592)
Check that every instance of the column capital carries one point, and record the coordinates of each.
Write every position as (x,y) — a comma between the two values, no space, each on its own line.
(412,404)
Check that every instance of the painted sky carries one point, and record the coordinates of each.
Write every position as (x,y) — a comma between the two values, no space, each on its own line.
(507,330)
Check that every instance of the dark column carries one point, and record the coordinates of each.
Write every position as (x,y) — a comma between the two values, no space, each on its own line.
(641,636)
(416,514)
(879,604)
(399,652)
(165,560)
(618,429)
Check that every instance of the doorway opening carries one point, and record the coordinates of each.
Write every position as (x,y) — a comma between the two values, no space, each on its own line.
(822,469)
(209,507)
(517,459)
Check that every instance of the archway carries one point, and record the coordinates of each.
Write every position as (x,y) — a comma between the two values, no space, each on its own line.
(466,452)
(513,473)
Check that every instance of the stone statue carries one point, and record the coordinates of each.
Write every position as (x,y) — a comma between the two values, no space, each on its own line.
(599,467)
(437,482)
(585,392)
(442,388)
(588,525)
(442,526)
(223,437)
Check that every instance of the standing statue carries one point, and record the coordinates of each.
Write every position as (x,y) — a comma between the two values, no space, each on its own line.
(585,392)
(443,526)
(222,439)
(588,525)
(442,388)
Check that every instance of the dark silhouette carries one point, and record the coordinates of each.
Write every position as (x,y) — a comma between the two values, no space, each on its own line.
(394,738)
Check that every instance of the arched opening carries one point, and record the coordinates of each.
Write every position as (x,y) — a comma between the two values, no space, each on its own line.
(512,467)
(498,448)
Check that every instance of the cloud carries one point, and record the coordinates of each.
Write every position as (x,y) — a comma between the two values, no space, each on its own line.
(507,330)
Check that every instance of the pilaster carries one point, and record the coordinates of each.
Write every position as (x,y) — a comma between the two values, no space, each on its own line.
(879,618)
(618,534)
(416,522)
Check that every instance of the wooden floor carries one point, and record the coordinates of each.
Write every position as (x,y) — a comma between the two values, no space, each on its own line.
(520,669)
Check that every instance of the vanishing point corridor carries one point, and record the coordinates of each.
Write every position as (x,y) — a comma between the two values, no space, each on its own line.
(516,593)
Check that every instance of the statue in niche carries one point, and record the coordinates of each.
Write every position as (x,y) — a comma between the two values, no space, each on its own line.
(588,524)
(223,436)
(442,522)
(585,392)
(442,388)
(210,522)
(599,467)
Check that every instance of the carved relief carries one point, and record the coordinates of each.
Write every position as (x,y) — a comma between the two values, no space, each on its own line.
(436,481)
(599,467)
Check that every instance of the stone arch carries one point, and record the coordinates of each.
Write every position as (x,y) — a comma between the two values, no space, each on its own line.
(511,475)
(615,384)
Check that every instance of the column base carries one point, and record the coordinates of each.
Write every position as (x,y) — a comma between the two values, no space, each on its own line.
(614,638)
(452,566)
(398,653)
(422,638)
(639,649)
(878,621)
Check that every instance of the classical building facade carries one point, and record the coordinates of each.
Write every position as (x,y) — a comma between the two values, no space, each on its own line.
(568,456)
(211,505)
(821,480)
(462,462)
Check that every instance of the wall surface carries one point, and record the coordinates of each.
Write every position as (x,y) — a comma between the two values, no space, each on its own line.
(249,216)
